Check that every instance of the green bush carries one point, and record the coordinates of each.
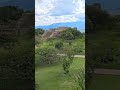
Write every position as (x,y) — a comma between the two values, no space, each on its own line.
(79,80)
(70,34)
(67,35)
(67,60)
(59,45)
(78,50)
(47,55)
(39,31)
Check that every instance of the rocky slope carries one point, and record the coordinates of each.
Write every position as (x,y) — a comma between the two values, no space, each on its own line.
(53,32)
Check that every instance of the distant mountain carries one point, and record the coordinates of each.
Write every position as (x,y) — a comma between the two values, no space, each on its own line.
(80,25)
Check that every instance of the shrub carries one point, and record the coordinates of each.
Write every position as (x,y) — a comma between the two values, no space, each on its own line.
(66,65)
(58,45)
(66,35)
(79,80)
(39,31)
(70,34)
(76,33)
(46,54)
(78,50)
(67,60)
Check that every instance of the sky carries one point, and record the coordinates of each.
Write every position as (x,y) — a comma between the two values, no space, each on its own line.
(80,25)
(49,12)
(24,4)
(112,6)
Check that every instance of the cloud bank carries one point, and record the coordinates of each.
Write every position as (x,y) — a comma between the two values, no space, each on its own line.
(48,12)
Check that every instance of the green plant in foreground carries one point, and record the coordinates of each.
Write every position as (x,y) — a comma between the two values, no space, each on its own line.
(66,65)
(79,80)
(68,60)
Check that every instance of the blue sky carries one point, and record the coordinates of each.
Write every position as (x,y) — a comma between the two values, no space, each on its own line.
(79,24)
(24,4)
(112,6)
(49,12)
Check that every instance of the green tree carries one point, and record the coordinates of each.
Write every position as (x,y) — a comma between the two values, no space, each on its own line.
(76,33)
(39,31)
(47,55)
(59,45)
(96,15)
(89,24)
(66,35)
(70,34)
(67,60)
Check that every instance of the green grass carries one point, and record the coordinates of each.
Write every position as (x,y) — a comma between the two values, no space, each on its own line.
(52,77)
(105,46)
(105,82)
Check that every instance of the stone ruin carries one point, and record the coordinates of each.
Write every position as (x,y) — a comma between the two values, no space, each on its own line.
(53,32)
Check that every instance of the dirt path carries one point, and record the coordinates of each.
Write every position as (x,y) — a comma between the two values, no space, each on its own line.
(79,56)
(107,71)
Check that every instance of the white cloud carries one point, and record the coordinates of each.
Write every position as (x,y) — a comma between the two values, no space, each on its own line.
(48,12)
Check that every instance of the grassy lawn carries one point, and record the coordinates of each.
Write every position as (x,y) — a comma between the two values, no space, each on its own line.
(106,47)
(105,82)
(52,77)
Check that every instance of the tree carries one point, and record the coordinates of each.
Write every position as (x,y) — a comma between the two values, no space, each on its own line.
(96,15)
(70,34)
(66,35)
(67,60)
(58,45)
(47,55)
(89,24)
(76,33)
(39,31)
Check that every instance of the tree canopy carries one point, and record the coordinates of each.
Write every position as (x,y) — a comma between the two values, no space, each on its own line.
(70,34)
(10,13)
(39,31)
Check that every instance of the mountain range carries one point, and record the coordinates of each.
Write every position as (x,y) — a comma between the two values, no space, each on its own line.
(80,25)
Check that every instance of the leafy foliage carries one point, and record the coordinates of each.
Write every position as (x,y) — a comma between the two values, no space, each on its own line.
(70,34)
(102,43)
(67,60)
(39,31)
(46,55)
(59,45)
(79,80)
